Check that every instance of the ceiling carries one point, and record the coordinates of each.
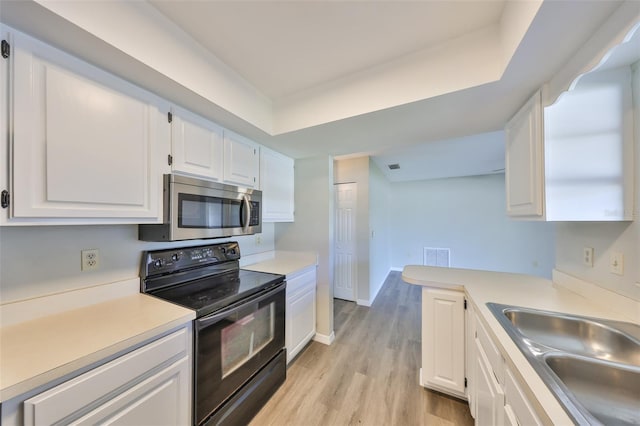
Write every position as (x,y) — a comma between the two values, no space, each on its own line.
(285,47)
(426,84)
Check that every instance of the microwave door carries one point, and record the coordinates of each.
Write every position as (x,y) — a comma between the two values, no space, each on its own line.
(213,218)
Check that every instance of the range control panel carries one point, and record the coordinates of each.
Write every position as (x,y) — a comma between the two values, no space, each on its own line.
(160,262)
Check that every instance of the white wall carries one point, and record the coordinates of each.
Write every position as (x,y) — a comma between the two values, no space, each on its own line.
(313,230)
(468,216)
(41,260)
(607,237)
(379,232)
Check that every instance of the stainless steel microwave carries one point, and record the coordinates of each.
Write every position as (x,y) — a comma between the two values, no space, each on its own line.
(198,209)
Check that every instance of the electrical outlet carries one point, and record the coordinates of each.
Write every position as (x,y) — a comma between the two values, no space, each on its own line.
(616,263)
(90,259)
(587,256)
(258,239)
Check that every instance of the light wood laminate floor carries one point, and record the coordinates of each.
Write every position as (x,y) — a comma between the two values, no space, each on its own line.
(369,375)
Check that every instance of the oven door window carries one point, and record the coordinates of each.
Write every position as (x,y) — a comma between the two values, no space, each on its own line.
(198,211)
(245,337)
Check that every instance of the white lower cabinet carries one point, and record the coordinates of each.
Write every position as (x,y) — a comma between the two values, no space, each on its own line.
(150,385)
(497,395)
(443,336)
(301,311)
(516,402)
(470,358)
(151,402)
(461,358)
(489,394)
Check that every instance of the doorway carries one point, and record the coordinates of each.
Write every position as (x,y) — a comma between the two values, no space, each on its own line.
(345,269)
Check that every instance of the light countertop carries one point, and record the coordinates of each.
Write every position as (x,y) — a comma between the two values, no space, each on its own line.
(35,352)
(285,263)
(513,289)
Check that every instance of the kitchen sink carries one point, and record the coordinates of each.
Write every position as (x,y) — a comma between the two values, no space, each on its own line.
(591,365)
(578,335)
(609,391)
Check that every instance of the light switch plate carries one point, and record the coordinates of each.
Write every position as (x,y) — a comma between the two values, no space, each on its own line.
(616,263)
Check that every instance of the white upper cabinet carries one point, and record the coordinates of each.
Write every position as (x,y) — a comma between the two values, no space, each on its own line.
(588,142)
(277,184)
(84,142)
(573,159)
(196,146)
(524,161)
(241,161)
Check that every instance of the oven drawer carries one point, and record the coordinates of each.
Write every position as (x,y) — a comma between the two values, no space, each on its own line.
(157,368)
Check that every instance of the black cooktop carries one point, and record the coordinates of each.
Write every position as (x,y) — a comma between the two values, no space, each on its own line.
(210,294)
(204,278)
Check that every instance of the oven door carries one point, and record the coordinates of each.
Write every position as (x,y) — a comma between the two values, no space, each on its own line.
(234,344)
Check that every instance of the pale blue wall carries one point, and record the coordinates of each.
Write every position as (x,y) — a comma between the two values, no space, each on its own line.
(468,216)
(379,230)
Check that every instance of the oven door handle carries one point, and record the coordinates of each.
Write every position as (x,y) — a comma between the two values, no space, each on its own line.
(214,318)
(245,220)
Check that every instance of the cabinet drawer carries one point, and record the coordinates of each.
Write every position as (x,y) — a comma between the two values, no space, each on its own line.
(301,282)
(104,382)
(151,402)
(493,355)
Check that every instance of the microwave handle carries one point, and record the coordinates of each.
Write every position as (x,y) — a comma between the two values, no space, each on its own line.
(245,220)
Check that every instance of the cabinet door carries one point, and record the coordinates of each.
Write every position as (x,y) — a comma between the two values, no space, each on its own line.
(162,399)
(515,398)
(489,395)
(196,145)
(241,161)
(277,183)
(470,356)
(524,166)
(83,140)
(302,322)
(443,340)
(301,312)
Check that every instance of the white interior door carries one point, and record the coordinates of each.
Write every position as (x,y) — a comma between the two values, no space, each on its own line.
(345,278)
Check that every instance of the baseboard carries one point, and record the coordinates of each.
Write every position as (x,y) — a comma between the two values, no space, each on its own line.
(601,296)
(324,339)
(394,268)
(363,302)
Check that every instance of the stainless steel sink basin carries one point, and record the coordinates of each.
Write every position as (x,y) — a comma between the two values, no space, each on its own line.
(591,365)
(578,335)
(609,391)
